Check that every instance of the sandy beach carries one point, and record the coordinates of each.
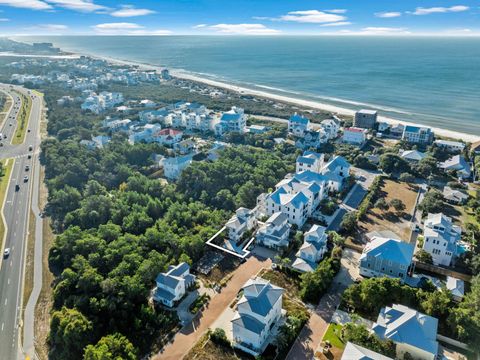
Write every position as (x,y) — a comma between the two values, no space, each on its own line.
(288,99)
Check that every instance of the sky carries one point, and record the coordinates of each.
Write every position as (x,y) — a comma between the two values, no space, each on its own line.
(240,17)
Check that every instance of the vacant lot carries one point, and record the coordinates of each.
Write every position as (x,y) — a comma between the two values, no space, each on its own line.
(206,349)
(333,337)
(382,220)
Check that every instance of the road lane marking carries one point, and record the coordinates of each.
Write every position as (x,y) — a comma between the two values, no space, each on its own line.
(6,300)
(8,281)
(3,324)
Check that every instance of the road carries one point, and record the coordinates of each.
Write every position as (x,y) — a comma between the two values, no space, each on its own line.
(16,210)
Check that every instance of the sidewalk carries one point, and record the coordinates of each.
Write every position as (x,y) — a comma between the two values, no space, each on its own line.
(186,338)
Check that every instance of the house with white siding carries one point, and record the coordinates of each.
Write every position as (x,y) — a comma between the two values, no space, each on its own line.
(450,146)
(331,127)
(458,164)
(257,316)
(311,161)
(441,238)
(298,125)
(274,233)
(239,224)
(234,121)
(173,166)
(312,250)
(173,285)
(354,136)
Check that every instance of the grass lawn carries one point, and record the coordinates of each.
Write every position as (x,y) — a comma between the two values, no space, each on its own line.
(4,181)
(205,349)
(6,106)
(22,120)
(333,335)
(381,220)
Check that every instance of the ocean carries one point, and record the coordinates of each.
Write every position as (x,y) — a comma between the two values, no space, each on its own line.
(429,80)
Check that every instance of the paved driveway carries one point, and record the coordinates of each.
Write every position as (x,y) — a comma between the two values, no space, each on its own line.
(191,333)
(312,333)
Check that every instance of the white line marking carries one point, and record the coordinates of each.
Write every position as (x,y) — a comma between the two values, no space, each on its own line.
(8,281)
(6,302)
(3,324)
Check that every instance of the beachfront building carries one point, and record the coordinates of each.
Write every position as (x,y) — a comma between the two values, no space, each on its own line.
(386,257)
(356,352)
(310,161)
(458,164)
(412,156)
(240,224)
(173,285)
(165,74)
(298,125)
(331,127)
(365,119)
(257,317)
(232,121)
(410,330)
(173,166)
(441,238)
(275,233)
(354,136)
(417,135)
(450,146)
(312,250)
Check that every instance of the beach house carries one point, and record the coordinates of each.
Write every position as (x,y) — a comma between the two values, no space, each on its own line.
(298,125)
(331,127)
(441,238)
(173,166)
(412,332)
(354,136)
(311,161)
(458,164)
(312,139)
(274,233)
(412,156)
(356,352)
(312,250)
(365,119)
(168,136)
(233,120)
(386,257)
(173,285)
(240,224)
(147,134)
(257,316)
(450,146)
(454,196)
(417,135)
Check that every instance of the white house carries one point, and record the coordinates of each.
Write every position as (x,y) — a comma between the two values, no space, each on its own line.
(243,221)
(275,232)
(450,146)
(312,250)
(172,285)
(312,139)
(258,313)
(148,134)
(417,134)
(173,166)
(331,128)
(456,287)
(118,125)
(454,196)
(298,125)
(412,155)
(232,121)
(410,330)
(310,161)
(168,136)
(441,238)
(458,164)
(354,136)
(356,352)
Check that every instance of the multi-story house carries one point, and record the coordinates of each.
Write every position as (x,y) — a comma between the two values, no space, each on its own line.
(232,121)
(173,285)
(312,139)
(312,250)
(258,311)
(417,135)
(298,125)
(275,232)
(173,166)
(450,146)
(441,238)
(411,331)
(148,134)
(168,136)
(354,136)
(386,257)
(309,161)
(365,119)
(458,164)
(239,224)
(331,128)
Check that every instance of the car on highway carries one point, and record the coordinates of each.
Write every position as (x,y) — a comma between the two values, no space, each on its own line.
(6,253)
(17,187)
(29,156)
(10,124)
(25,178)
(30,148)
(27,167)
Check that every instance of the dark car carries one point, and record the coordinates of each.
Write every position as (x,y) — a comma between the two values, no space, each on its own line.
(17,187)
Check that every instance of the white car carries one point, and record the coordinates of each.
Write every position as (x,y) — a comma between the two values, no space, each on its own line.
(6,253)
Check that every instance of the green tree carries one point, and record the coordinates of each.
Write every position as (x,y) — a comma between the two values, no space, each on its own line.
(359,334)
(349,222)
(424,256)
(406,177)
(398,205)
(382,204)
(393,163)
(432,202)
(111,347)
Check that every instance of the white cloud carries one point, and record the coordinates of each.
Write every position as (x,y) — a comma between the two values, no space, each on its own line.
(244,29)
(199,26)
(388,14)
(27,4)
(4,19)
(131,11)
(374,30)
(340,23)
(434,10)
(52,27)
(311,16)
(337,11)
(78,5)
(126,28)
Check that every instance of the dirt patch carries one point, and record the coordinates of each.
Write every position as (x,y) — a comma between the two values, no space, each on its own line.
(206,349)
(381,220)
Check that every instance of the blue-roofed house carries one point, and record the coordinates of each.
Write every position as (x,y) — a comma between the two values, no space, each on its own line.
(410,330)
(232,121)
(336,171)
(386,257)
(275,232)
(312,250)
(417,135)
(258,311)
(310,160)
(172,285)
(298,125)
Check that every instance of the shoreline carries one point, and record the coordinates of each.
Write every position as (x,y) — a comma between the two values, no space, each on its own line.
(316,105)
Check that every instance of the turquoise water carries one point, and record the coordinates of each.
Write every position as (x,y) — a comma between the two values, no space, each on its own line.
(429,80)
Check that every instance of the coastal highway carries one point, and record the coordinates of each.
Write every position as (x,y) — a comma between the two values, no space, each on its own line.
(16,210)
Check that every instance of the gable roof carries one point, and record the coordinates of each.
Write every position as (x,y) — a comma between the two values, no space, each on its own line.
(357,352)
(389,249)
(413,155)
(248,322)
(299,119)
(259,296)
